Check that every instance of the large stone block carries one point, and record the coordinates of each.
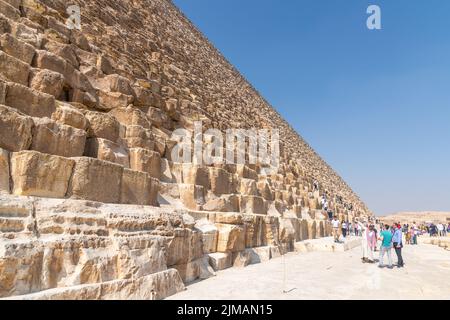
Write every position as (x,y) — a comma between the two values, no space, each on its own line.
(253,204)
(47,81)
(139,188)
(103,125)
(139,137)
(50,61)
(38,174)
(4,171)
(185,246)
(112,100)
(210,235)
(197,175)
(16,48)
(146,161)
(230,238)
(192,196)
(13,69)
(107,150)
(221,260)
(58,139)
(15,130)
(115,83)
(131,117)
(68,115)
(220,180)
(90,176)
(224,203)
(29,101)
(248,187)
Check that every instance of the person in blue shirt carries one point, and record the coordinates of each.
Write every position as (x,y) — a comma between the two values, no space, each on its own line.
(386,246)
(397,241)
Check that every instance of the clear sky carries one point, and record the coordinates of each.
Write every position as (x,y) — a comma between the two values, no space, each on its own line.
(374,104)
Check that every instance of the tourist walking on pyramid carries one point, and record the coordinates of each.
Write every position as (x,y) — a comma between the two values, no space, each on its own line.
(386,246)
(335,223)
(344,228)
(397,241)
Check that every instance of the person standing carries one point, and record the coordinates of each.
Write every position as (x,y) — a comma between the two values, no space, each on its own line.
(371,243)
(362,228)
(386,246)
(397,241)
(335,223)
(344,228)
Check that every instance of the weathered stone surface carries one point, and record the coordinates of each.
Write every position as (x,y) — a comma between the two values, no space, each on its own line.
(210,235)
(4,171)
(108,151)
(58,139)
(131,117)
(230,238)
(253,204)
(102,126)
(221,260)
(225,203)
(220,181)
(68,115)
(90,176)
(16,48)
(138,188)
(15,130)
(139,137)
(192,196)
(197,269)
(38,174)
(197,175)
(248,187)
(47,81)
(13,69)
(29,101)
(146,161)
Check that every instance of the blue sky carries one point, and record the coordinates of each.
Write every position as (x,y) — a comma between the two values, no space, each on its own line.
(374,104)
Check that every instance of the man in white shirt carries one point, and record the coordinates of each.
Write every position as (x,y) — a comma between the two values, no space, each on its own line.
(440,228)
(335,223)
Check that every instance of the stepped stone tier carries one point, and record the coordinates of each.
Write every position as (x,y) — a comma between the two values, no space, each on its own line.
(92,205)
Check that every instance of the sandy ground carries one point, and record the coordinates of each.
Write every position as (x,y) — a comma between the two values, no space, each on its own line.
(328,275)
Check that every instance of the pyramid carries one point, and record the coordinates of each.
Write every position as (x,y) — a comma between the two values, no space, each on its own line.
(93,204)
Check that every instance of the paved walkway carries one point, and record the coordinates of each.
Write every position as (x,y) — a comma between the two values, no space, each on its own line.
(327,275)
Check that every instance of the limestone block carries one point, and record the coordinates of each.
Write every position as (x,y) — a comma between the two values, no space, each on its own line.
(221,260)
(104,64)
(312,229)
(58,139)
(248,187)
(229,218)
(184,246)
(68,115)
(5,26)
(252,204)
(47,81)
(90,176)
(287,231)
(260,254)
(13,69)
(115,83)
(4,171)
(244,171)
(254,230)
(198,175)
(138,188)
(112,100)
(15,130)
(192,196)
(139,137)
(231,238)
(271,230)
(166,172)
(102,125)
(26,34)
(220,181)
(131,117)
(9,10)
(146,161)
(143,96)
(157,117)
(107,150)
(16,48)
(224,203)
(29,101)
(210,235)
(197,269)
(41,175)
(50,61)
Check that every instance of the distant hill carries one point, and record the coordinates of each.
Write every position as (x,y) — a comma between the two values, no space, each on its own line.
(424,216)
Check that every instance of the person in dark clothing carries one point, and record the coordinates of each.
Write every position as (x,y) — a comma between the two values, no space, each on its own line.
(397,241)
